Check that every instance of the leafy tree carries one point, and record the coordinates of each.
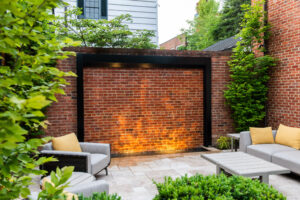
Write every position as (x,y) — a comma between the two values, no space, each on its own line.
(231,18)
(247,91)
(199,34)
(104,33)
(29,81)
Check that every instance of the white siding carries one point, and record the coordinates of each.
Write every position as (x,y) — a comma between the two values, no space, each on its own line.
(143,13)
(60,11)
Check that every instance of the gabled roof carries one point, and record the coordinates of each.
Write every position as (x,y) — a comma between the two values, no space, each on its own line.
(223,45)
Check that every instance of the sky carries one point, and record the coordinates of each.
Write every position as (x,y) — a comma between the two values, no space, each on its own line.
(172,17)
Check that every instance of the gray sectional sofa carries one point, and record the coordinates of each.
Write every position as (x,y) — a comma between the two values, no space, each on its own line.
(279,154)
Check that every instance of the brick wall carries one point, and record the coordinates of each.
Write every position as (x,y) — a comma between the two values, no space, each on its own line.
(144,110)
(140,110)
(222,123)
(62,115)
(284,44)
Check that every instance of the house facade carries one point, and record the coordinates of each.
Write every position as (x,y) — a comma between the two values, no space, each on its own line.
(143,12)
(174,43)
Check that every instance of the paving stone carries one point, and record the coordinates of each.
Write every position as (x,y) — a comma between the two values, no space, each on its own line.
(176,165)
(132,177)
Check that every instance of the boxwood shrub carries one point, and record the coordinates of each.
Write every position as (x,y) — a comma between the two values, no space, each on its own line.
(214,187)
(100,196)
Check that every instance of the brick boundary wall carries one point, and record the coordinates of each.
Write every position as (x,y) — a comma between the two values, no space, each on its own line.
(62,115)
(284,44)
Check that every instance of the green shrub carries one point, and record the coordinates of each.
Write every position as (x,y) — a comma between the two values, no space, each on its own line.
(223,142)
(200,187)
(100,196)
(247,92)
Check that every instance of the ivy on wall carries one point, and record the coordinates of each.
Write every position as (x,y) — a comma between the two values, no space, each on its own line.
(247,92)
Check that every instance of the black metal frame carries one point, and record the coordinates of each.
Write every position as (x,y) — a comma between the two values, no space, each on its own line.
(91,60)
(78,161)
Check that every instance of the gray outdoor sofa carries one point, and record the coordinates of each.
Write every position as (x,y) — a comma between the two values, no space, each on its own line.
(94,158)
(279,154)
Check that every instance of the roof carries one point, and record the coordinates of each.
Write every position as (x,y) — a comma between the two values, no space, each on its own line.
(223,45)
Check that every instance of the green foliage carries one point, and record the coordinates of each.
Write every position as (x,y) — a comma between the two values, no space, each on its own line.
(100,196)
(223,142)
(104,33)
(247,92)
(231,18)
(200,187)
(28,83)
(199,34)
(55,191)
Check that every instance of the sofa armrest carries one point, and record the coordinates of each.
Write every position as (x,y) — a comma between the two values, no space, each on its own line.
(95,148)
(88,189)
(245,140)
(80,160)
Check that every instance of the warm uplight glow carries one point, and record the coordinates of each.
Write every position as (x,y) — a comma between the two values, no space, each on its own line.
(144,110)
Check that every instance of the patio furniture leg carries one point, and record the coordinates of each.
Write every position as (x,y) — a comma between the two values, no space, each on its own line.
(218,170)
(264,179)
(232,144)
(106,171)
(235,145)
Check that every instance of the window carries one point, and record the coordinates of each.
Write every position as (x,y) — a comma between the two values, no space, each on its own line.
(93,9)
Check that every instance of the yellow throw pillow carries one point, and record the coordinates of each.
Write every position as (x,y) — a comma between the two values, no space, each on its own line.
(261,135)
(70,196)
(288,136)
(66,143)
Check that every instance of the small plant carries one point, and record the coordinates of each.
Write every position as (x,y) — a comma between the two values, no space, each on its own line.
(54,190)
(100,196)
(223,143)
(221,187)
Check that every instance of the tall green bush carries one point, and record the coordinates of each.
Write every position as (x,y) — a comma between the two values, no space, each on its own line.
(247,92)
(200,187)
(113,33)
(29,81)
(199,34)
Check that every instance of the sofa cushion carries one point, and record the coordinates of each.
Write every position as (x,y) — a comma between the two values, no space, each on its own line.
(67,142)
(288,159)
(288,136)
(265,151)
(99,162)
(261,135)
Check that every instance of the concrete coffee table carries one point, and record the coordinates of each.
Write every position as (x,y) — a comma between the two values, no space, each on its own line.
(243,164)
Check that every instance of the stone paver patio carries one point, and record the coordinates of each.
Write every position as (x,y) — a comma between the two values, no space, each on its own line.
(131,177)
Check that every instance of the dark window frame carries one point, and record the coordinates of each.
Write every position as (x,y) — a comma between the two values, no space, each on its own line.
(102,9)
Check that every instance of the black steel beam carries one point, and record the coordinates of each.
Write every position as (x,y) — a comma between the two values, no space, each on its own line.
(91,60)
(80,98)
